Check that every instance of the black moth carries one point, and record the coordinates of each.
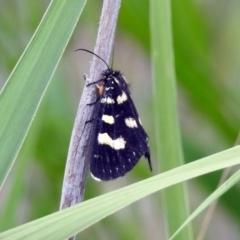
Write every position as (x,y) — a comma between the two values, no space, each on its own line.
(118,138)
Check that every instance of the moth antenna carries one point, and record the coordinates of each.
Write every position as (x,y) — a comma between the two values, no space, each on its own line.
(82,49)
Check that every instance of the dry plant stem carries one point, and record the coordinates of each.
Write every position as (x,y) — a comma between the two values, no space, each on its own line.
(77,162)
(208,216)
(210,211)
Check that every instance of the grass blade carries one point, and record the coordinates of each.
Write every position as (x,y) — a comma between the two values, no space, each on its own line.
(22,94)
(168,133)
(68,222)
(214,196)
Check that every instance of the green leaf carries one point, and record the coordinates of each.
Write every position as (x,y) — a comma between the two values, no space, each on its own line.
(167,124)
(213,197)
(23,92)
(68,222)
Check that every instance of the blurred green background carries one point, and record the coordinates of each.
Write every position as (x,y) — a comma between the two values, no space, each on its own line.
(207,58)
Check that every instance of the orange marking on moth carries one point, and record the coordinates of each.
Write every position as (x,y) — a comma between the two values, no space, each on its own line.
(100,90)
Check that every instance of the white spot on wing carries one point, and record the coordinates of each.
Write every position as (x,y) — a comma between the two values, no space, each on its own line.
(131,122)
(116,80)
(107,100)
(122,98)
(104,138)
(95,178)
(139,121)
(108,119)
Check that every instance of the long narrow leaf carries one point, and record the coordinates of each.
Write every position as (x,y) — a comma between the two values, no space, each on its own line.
(66,223)
(214,196)
(22,94)
(167,126)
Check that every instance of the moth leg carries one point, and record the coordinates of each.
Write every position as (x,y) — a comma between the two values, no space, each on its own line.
(90,121)
(90,104)
(89,84)
(87,79)
(100,90)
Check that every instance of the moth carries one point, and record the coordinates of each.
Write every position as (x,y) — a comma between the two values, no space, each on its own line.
(118,139)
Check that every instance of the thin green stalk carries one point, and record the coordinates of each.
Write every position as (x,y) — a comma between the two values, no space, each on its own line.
(167,127)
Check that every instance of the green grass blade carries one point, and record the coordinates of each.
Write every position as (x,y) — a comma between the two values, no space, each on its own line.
(214,196)
(22,94)
(68,222)
(168,132)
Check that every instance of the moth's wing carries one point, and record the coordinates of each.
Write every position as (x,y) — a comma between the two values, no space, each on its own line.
(108,162)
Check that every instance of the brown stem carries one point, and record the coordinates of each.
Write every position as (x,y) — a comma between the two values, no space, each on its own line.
(77,161)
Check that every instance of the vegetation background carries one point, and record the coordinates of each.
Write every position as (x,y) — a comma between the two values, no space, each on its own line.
(207,56)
